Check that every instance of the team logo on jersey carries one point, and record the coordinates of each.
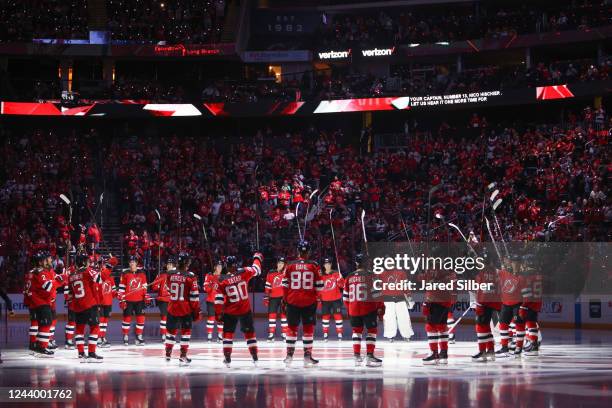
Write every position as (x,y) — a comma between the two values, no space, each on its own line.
(330,284)
(134,283)
(106,288)
(277,281)
(509,286)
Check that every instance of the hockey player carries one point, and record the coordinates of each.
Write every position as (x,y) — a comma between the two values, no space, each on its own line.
(397,303)
(108,292)
(183,307)
(510,284)
(301,282)
(232,305)
(160,286)
(27,301)
(274,297)
(211,285)
(70,318)
(528,311)
(364,307)
(435,309)
(331,298)
(40,298)
(487,302)
(84,290)
(132,295)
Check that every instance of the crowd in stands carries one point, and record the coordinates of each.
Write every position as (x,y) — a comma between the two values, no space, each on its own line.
(169,21)
(247,188)
(24,20)
(439,23)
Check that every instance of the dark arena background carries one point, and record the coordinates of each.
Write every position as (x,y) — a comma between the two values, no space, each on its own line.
(171,169)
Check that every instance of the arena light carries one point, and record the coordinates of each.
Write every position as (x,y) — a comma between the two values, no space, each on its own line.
(413,45)
(445,43)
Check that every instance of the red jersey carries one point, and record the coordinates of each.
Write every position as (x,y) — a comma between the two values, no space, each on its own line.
(108,289)
(160,286)
(42,287)
(489,298)
(132,287)
(211,287)
(27,288)
(359,295)
(301,282)
(274,284)
(233,295)
(510,288)
(532,292)
(332,286)
(184,294)
(84,289)
(442,297)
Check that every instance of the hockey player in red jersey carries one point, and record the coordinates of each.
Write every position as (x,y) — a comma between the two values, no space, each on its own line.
(364,308)
(232,305)
(108,292)
(183,307)
(160,286)
(435,309)
(331,298)
(301,284)
(132,295)
(211,286)
(487,302)
(274,297)
(530,307)
(27,300)
(40,297)
(510,287)
(70,318)
(84,289)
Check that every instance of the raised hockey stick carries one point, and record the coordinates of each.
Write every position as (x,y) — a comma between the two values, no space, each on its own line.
(493,240)
(308,209)
(199,218)
(331,224)
(68,244)
(494,207)
(450,224)
(365,238)
(159,243)
(297,220)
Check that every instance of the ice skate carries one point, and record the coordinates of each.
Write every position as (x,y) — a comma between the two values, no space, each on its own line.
(309,361)
(358,360)
(372,361)
(140,341)
(183,359)
(431,359)
(481,357)
(443,357)
(94,358)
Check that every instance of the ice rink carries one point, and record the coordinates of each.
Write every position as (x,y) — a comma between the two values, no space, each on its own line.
(573,370)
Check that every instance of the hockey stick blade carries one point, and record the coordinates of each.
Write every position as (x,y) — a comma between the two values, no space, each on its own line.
(65,199)
(495,193)
(497,204)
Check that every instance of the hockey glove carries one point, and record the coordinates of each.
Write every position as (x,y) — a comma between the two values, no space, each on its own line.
(522,312)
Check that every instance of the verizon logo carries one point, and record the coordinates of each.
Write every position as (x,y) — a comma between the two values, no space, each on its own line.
(376,52)
(334,54)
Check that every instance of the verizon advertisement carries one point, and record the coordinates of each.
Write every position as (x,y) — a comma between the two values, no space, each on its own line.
(339,55)
(334,55)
